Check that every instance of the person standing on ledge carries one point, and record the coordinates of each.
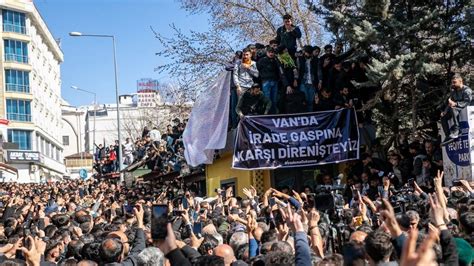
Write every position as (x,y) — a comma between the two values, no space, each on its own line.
(288,34)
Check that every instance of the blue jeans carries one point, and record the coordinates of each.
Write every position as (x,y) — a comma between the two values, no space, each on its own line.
(309,92)
(270,90)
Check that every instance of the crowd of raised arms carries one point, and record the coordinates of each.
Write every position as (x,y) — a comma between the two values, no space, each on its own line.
(101,223)
(392,208)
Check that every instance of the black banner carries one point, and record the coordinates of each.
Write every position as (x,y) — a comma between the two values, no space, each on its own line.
(296,140)
(23,156)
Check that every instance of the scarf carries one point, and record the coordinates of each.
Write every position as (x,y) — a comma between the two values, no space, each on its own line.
(286,60)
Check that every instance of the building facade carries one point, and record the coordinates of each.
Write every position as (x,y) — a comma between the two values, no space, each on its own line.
(30,96)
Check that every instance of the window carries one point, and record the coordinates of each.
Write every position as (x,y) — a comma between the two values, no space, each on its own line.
(16,51)
(20,137)
(66,140)
(14,21)
(48,149)
(17,81)
(18,110)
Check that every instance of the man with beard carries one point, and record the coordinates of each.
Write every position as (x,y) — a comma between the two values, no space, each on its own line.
(253,102)
(459,98)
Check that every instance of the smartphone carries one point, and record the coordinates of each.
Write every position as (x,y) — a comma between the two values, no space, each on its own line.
(159,221)
(272,202)
(19,254)
(185,203)
(411,182)
(128,207)
(381,173)
(277,217)
(397,209)
(457,183)
(355,195)
(177,213)
(197,228)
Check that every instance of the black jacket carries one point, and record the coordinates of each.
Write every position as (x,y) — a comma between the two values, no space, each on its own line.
(448,248)
(325,104)
(138,246)
(253,104)
(316,71)
(332,58)
(177,258)
(268,69)
(288,38)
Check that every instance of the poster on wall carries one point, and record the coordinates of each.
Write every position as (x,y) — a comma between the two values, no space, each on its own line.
(296,140)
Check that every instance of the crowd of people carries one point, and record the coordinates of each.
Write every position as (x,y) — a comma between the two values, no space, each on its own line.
(277,78)
(162,153)
(101,223)
(393,208)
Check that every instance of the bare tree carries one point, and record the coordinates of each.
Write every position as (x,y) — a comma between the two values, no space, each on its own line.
(196,57)
(257,21)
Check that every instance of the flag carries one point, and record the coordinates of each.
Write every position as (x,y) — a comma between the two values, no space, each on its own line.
(206,129)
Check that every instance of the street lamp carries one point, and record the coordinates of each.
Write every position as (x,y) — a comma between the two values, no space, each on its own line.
(95,112)
(117,99)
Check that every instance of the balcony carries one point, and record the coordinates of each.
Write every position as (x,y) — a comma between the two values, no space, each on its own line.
(16,58)
(10,87)
(19,117)
(9,27)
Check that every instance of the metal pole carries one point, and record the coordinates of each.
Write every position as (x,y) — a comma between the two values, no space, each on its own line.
(95,112)
(117,99)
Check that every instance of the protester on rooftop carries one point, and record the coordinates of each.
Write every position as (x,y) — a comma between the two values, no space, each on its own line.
(253,102)
(288,34)
(244,73)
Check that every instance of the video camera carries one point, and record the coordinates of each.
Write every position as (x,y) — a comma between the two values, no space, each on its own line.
(403,198)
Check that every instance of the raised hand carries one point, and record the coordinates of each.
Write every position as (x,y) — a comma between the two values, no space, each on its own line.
(424,255)
(388,216)
(297,196)
(293,220)
(313,218)
(247,192)
(437,213)
(369,203)
(466,185)
(34,253)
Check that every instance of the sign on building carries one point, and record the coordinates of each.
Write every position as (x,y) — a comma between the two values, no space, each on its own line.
(147,92)
(23,156)
(147,85)
(147,99)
